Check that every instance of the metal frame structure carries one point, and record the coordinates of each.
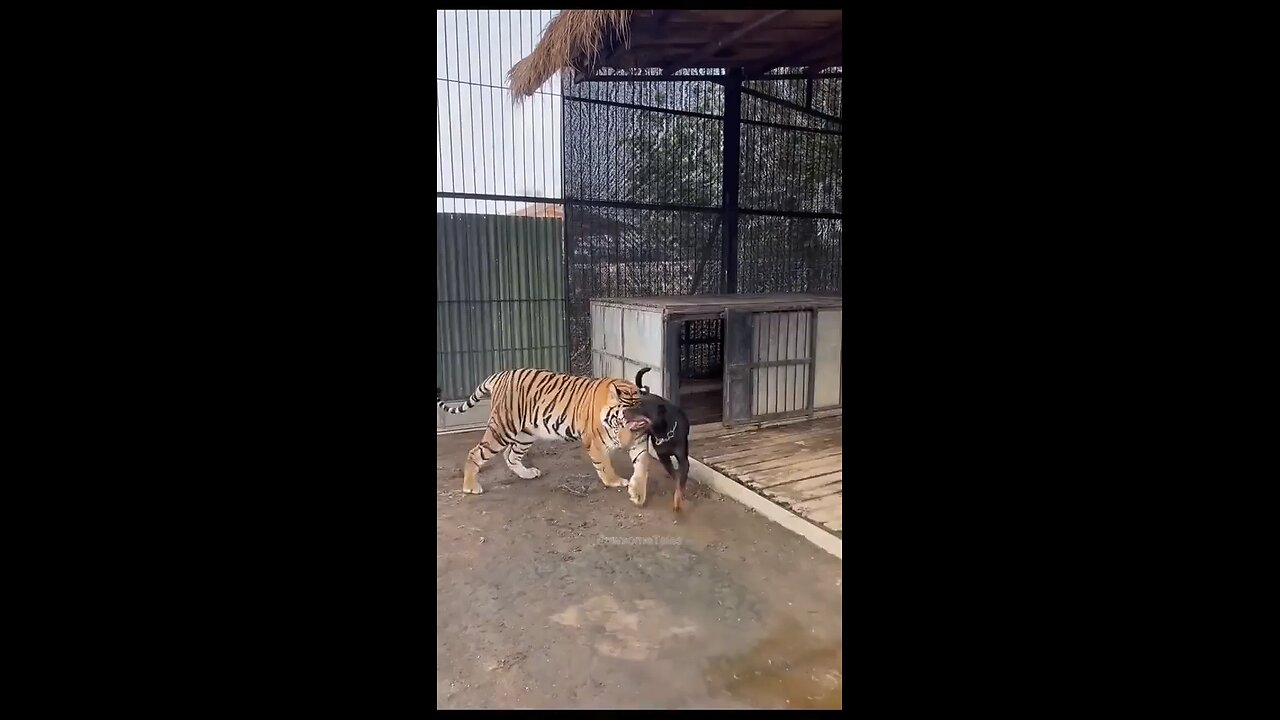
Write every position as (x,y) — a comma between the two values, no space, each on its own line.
(731,85)
(730,210)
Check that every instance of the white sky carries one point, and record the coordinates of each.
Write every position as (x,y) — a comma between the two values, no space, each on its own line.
(485,143)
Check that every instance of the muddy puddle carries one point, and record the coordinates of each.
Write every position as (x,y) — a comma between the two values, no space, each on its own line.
(789,668)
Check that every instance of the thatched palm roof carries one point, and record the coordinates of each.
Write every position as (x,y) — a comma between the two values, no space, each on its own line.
(573,36)
(580,42)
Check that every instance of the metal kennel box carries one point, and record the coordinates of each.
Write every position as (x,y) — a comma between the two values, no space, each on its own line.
(782,353)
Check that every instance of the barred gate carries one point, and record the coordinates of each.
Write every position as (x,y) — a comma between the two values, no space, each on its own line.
(500,269)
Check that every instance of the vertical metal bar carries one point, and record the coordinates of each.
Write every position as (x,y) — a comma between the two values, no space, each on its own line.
(766,327)
(500,125)
(457,248)
(490,285)
(476,305)
(536,279)
(671,354)
(770,348)
(547,271)
(520,326)
(464,298)
(780,375)
(462,303)
(796,403)
(509,279)
(761,353)
(813,357)
(566,244)
(732,158)
(480,300)
(793,332)
(487,44)
(797,391)
(784,333)
(793,337)
(448,105)
(527,280)
(444,361)
(466,14)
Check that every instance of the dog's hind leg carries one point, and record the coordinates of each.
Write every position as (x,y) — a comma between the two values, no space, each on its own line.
(682,476)
(677,478)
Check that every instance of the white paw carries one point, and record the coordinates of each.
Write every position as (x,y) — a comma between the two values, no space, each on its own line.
(637,500)
(477,491)
(527,473)
(626,482)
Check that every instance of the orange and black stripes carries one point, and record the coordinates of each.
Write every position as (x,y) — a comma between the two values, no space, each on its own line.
(529,400)
(528,404)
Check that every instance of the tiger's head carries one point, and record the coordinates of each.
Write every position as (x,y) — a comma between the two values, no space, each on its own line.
(629,396)
(620,407)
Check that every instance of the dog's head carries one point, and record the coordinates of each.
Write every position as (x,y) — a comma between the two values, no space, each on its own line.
(649,413)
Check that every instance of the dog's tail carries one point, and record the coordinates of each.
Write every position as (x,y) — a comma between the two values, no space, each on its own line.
(644,389)
(482,391)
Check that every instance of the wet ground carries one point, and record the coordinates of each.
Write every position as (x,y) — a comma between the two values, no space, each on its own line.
(557,592)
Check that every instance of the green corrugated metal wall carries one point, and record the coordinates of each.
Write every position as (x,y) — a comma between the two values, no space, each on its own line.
(500,297)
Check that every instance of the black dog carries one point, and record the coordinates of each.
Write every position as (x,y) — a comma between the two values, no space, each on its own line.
(668,430)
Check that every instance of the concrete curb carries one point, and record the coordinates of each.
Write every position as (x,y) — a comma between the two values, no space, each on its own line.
(796,524)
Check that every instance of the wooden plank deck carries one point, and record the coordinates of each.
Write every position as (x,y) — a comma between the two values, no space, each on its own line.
(798,465)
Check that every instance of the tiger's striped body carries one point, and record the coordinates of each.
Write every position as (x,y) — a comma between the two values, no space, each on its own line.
(531,404)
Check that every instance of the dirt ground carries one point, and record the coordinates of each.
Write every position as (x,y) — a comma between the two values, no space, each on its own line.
(557,592)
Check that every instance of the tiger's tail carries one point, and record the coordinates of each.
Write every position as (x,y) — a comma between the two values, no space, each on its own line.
(482,391)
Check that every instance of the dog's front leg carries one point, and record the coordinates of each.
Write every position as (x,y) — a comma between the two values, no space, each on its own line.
(639,470)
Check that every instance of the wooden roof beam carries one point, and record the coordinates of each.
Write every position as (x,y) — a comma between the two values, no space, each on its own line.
(816,50)
(711,47)
(613,47)
(660,19)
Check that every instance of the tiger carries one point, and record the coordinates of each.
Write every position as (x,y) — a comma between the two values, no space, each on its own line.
(533,404)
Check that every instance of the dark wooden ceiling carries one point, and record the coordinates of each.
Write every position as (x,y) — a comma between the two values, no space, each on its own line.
(756,40)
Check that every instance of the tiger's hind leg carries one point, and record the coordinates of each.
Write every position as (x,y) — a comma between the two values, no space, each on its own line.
(515,457)
(489,446)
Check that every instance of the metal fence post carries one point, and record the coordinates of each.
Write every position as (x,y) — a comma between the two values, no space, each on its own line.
(732,157)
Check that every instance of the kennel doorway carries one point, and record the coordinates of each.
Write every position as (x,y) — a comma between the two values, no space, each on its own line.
(730,359)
